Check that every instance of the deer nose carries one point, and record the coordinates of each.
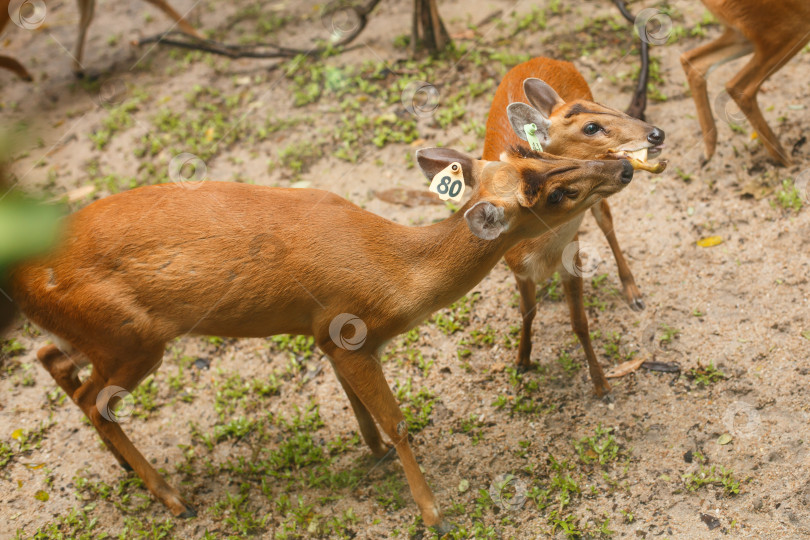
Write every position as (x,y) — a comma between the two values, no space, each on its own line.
(627,172)
(656,136)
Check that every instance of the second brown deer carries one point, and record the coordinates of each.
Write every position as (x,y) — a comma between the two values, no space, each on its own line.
(140,268)
(569,123)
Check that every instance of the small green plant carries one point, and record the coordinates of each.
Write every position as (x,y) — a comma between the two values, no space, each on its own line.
(714,475)
(570,365)
(706,376)
(12,347)
(789,197)
(601,447)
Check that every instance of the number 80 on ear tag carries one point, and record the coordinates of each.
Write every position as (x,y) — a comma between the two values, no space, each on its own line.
(449,183)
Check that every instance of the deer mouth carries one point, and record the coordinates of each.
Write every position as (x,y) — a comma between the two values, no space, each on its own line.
(639,158)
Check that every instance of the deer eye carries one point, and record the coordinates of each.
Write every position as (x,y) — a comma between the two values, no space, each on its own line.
(591,128)
(555,196)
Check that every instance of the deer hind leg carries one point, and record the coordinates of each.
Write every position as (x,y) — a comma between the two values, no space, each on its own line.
(364,375)
(528,309)
(697,64)
(176,17)
(371,435)
(572,285)
(65,371)
(744,86)
(86,11)
(601,212)
(126,370)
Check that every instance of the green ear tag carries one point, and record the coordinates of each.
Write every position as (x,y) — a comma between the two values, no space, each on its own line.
(531,136)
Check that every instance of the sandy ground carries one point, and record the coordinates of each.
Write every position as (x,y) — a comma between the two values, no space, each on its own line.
(741,306)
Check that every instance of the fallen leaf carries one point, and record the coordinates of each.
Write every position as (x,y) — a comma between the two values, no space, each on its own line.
(497,367)
(418,142)
(16,434)
(710,241)
(725,438)
(463,486)
(754,135)
(625,368)
(41,495)
(34,466)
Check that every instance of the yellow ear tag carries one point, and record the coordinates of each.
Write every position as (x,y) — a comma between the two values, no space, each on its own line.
(449,183)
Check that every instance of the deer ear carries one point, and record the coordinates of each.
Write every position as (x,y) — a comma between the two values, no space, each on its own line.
(485,220)
(434,160)
(541,96)
(521,115)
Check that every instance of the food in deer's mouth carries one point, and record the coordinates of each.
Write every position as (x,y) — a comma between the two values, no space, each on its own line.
(638,158)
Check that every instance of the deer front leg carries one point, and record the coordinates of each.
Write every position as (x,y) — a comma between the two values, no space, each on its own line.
(601,212)
(368,429)
(528,309)
(364,375)
(86,11)
(572,285)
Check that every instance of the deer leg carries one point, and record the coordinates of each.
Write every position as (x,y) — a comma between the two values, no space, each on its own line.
(572,285)
(176,17)
(127,371)
(86,11)
(697,64)
(7,62)
(364,375)
(528,309)
(371,435)
(12,65)
(66,374)
(601,212)
(744,86)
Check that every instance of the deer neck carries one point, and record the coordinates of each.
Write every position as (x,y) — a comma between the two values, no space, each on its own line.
(446,260)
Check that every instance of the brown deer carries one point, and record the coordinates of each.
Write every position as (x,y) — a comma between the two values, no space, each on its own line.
(86,11)
(774,30)
(137,269)
(569,123)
